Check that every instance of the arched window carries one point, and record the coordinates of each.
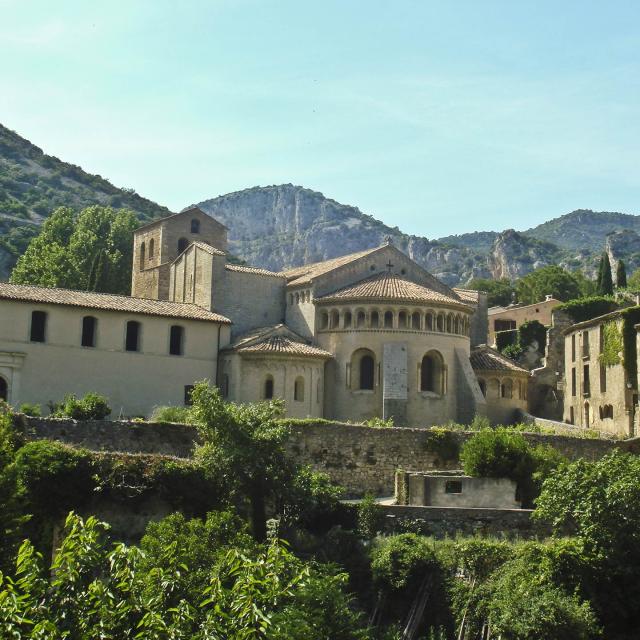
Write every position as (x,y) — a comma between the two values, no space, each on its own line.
(449,324)
(506,389)
(375,319)
(132,339)
(432,373)
(268,388)
(440,322)
(429,322)
(361,319)
(587,415)
(89,324)
(415,320)
(335,319)
(176,340)
(195,226)
(324,320)
(38,326)
(363,370)
(298,389)
(4,389)
(297,298)
(388,319)
(483,386)
(347,319)
(456,324)
(152,248)
(493,388)
(183,243)
(142,255)
(402,320)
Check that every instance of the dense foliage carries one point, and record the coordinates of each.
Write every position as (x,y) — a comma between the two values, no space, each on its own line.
(499,292)
(604,280)
(90,251)
(92,406)
(621,275)
(583,309)
(551,280)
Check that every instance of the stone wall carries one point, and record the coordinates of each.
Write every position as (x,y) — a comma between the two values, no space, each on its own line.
(362,459)
(442,522)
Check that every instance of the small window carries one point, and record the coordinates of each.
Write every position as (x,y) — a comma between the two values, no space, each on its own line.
(132,341)
(38,326)
(586,383)
(152,248)
(375,319)
(388,319)
(195,226)
(453,486)
(298,390)
(573,382)
(361,319)
(188,389)
(89,324)
(268,388)
(347,319)
(366,372)
(142,254)
(176,340)
(183,243)
(4,389)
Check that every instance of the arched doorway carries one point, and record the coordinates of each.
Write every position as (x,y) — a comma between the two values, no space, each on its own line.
(4,389)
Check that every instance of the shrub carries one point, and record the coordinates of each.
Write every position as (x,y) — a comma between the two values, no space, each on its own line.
(91,407)
(369,517)
(30,409)
(180,415)
(379,423)
(587,308)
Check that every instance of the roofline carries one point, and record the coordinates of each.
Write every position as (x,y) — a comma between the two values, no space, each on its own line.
(522,306)
(173,215)
(597,320)
(222,320)
(454,304)
(247,351)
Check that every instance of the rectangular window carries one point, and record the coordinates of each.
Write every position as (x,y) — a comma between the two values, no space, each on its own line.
(453,486)
(586,383)
(573,381)
(88,331)
(603,378)
(132,341)
(573,348)
(188,388)
(38,326)
(176,340)
(585,344)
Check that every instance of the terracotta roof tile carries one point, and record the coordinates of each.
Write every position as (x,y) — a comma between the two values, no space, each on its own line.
(285,346)
(384,286)
(256,270)
(468,295)
(107,302)
(207,247)
(305,273)
(485,358)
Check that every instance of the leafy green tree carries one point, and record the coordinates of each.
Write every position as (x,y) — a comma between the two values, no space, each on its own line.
(633,282)
(621,275)
(551,280)
(499,292)
(90,252)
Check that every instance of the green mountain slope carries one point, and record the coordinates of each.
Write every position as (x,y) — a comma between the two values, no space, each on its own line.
(32,184)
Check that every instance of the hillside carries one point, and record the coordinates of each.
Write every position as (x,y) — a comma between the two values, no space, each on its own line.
(32,184)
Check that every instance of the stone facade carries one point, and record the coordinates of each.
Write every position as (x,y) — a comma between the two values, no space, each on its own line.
(511,317)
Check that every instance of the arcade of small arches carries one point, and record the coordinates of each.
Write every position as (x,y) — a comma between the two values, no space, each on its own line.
(299,297)
(503,387)
(399,319)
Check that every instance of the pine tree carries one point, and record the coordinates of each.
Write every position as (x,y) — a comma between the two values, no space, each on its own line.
(621,275)
(605,280)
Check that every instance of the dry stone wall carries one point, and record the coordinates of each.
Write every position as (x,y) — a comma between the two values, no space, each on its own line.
(361,459)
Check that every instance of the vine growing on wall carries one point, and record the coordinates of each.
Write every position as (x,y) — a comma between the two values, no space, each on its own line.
(630,358)
(612,344)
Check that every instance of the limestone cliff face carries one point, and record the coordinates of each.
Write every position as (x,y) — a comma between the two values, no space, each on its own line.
(623,245)
(284,226)
(513,255)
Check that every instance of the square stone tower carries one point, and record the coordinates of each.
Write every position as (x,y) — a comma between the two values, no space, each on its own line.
(157,244)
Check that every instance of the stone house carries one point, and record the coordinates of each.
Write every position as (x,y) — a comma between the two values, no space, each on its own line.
(511,317)
(600,377)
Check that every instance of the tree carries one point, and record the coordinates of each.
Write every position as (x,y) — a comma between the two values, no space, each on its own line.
(90,252)
(621,275)
(499,292)
(551,280)
(605,280)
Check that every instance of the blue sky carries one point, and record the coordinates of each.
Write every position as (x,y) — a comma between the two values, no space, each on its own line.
(438,117)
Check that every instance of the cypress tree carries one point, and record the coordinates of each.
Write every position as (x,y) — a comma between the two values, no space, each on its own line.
(605,286)
(599,276)
(621,275)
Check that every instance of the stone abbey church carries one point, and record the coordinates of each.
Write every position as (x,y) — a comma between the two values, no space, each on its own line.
(371,334)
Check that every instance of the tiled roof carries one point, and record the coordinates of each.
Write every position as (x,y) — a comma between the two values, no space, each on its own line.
(256,270)
(305,273)
(385,286)
(207,247)
(468,295)
(286,346)
(278,339)
(485,358)
(173,215)
(107,302)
